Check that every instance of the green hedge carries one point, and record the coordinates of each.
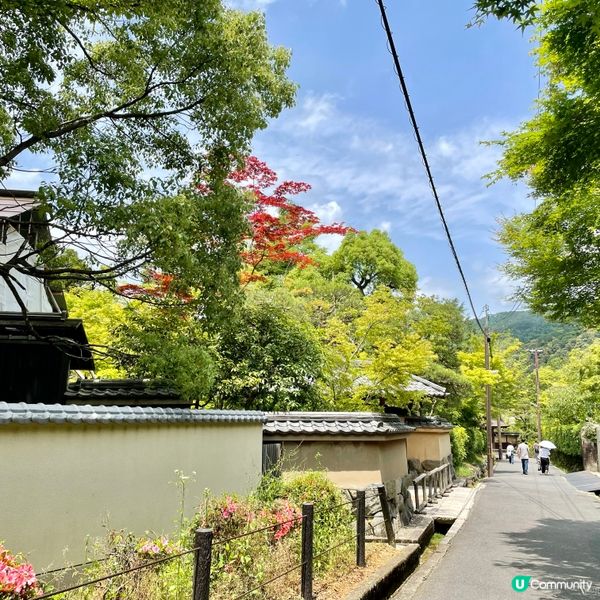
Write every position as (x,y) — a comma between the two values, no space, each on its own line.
(459,439)
(566,438)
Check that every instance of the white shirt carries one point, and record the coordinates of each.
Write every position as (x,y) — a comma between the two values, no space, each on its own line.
(510,449)
(523,450)
(544,452)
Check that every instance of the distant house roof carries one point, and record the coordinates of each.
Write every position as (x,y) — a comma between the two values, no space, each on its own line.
(124,392)
(420,384)
(60,413)
(16,202)
(333,423)
(415,384)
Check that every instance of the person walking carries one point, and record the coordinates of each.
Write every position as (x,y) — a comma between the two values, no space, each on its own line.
(510,453)
(523,454)
(545,460)
(536,452)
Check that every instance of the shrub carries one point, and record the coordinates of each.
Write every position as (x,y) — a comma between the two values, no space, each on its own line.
(17,577)
(476,443)
(332,519)
(566,437)
(239,565)
(459,439)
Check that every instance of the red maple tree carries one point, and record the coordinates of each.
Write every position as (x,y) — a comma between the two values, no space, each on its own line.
(278,226)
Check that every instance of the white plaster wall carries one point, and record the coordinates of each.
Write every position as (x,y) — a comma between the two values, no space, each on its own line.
(32,293)
(61,483)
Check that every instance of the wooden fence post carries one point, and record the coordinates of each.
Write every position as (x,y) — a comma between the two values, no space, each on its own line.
(416,488)
(307,550)
(203,544)
(387,517)
(361,517)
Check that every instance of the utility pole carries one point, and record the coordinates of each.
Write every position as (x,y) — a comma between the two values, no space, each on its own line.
(536,364)
(488,397)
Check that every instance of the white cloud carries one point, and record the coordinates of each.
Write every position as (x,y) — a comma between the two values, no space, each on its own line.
(433,287)
(375,170)
(327,212)
(316,112)
(330,241)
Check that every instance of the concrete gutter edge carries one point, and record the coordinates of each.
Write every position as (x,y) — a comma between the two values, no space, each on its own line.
(389,576)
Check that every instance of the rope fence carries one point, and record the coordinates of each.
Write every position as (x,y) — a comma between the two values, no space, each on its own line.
(202,549)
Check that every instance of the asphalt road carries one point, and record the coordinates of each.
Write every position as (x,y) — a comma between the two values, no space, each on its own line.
(535,525)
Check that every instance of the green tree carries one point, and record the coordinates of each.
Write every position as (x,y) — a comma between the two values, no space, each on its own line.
(571,392)
(510,381)
(554,249)
(168,345)
(371,358)
(102,313)
(127,102)
(371,259)
(520,12)
(267,361)
(442,322)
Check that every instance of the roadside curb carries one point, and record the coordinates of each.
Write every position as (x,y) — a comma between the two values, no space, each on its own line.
(422,572)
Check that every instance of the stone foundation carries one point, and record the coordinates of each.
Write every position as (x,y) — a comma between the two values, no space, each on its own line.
(399,498)
(400,503)
(589,454)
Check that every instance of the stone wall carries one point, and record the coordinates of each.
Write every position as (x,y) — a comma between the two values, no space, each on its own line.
(589,454)
(400,503)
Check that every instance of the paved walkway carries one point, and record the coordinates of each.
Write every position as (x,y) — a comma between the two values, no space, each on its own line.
(534,525)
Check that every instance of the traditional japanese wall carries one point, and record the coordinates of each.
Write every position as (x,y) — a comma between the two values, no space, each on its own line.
(429,444)
(62,482)
(350,464)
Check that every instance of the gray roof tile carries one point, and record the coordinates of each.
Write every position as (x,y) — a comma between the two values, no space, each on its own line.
(319,423)
(65,413)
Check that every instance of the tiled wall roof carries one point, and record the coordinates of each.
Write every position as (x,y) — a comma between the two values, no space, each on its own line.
(62,413)
(324,423)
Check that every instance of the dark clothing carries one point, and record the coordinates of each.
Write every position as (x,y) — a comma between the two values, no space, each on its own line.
(545,462)
(525,465)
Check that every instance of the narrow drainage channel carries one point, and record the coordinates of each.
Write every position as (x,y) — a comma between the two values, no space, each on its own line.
(440,529)
(442,525)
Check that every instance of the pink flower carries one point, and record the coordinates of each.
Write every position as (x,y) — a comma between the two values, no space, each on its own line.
(15,578)
(231,507)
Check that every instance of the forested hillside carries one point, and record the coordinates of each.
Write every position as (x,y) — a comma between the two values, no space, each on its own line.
(555,339)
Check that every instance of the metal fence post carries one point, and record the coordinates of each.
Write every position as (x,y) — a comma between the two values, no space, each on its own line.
(307,550)
(361,514)
(203,544)
(387,517)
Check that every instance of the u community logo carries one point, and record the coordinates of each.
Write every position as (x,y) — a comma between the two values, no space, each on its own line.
(520,582)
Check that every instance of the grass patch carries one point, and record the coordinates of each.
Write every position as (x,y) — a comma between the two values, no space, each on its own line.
(434,542)
(465,470)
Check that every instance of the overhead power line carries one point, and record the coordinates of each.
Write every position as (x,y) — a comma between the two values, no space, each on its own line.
(413,120)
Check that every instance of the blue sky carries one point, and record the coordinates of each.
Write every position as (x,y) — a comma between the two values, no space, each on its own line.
(349,134)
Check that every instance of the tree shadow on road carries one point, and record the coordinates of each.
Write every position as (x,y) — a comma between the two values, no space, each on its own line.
(557,549)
